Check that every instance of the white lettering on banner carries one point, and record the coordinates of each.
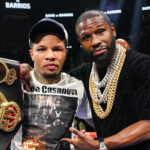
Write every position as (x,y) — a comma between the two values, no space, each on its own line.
(146,8)
(17,5)
(59,15)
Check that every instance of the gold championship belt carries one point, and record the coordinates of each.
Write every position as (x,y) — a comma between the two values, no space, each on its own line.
(6,75)
(10,101)
(9,114)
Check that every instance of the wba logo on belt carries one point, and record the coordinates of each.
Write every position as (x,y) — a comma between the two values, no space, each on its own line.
(11,102)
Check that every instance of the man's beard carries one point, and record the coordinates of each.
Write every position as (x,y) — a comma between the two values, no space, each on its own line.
(101,61)
(54,76)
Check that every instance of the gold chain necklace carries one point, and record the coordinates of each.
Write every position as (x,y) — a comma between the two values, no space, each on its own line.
(112,85)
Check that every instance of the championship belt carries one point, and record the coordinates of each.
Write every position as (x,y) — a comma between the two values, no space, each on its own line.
(11,102)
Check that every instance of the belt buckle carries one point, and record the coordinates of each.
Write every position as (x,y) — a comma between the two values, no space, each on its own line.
(10,114)
(6,75)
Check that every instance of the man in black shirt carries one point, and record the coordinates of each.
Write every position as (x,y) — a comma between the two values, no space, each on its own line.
(117,83)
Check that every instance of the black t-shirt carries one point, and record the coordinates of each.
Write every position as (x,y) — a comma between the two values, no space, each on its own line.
(132,99)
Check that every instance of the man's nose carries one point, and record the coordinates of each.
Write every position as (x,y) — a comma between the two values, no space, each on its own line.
(96,41)
(50,55)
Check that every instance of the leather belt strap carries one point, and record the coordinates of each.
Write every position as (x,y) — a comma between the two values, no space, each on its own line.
(11,101)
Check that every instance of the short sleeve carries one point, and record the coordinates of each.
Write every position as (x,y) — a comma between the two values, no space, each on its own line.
(17,140)
(84,109)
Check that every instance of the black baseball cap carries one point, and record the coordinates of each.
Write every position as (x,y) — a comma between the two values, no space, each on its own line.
(47,25)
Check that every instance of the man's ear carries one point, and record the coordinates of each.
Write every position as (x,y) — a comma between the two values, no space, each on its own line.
(31,54)
(113,29)
(66,51)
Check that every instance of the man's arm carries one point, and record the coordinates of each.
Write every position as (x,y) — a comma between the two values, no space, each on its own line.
(25,75)
(82,140)
(133,134)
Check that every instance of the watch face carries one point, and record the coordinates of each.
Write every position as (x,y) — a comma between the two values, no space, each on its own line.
(102,145)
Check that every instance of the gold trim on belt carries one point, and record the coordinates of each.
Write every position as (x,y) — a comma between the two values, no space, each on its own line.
(6,75)
(10,114)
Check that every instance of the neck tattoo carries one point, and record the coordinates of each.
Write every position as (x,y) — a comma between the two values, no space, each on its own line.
(44,80)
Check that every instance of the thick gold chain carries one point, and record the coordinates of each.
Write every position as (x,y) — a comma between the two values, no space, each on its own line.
(111,92)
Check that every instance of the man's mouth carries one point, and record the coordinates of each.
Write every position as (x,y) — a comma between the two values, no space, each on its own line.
(100,51)
(51,66)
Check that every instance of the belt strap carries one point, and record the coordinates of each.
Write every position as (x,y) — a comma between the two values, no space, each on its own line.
(11,101)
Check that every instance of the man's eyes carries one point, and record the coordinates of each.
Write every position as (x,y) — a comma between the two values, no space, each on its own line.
(57,49)
(85,37)
(53,49)
(100,31)
(41,49)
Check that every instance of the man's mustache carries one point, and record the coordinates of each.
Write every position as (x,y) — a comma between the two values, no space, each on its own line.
(99,47)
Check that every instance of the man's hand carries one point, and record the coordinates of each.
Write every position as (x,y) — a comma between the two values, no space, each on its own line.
(82,140)
(25,75)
